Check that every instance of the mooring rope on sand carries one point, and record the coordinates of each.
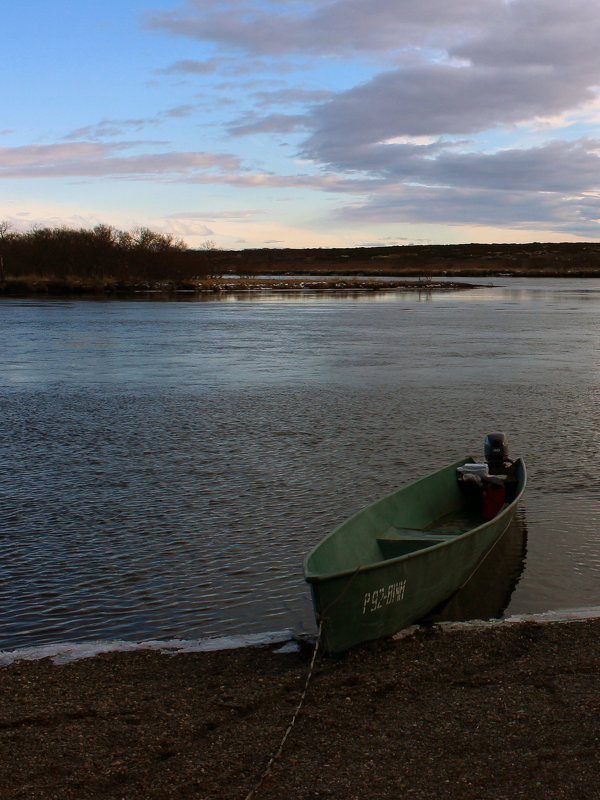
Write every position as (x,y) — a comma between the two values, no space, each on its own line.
(322,619)
(276,755)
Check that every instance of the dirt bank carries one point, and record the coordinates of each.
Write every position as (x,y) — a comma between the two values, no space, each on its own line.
(504,712)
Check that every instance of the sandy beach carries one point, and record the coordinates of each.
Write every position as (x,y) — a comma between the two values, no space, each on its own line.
(508,711)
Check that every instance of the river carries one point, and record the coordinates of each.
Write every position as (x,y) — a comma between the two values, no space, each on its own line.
(165,466)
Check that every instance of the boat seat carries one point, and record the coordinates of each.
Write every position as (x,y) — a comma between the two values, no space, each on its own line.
(401,541)
(423,533)
(395,546)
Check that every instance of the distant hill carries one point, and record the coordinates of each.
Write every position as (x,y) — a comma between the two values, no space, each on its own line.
(534,259)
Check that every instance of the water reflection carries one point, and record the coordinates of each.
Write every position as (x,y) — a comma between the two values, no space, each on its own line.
(332,296)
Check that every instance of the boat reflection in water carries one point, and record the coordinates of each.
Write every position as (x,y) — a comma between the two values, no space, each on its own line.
(488,591)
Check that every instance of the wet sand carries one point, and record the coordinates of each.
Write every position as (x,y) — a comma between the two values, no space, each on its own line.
(511,711)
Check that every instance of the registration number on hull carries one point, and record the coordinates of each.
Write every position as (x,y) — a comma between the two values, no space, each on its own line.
(385,596)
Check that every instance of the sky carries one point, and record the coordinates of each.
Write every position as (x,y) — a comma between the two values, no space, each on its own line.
(304,123)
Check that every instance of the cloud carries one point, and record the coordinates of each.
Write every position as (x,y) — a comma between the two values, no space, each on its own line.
(109,128)
(106,128)
(474,65)
(311,28)
(184,226)
(555,186)
(223,214)
(558,166)
(179,112)
(292,96)
(272,123)
(92,159)
(537,34)
(483,207)
(441,100)
(267,180)
(227,65)
(190,66)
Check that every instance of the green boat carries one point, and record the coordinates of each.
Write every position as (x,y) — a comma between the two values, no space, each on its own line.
(396,560)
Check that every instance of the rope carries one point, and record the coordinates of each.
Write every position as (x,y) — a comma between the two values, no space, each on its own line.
(322,619)
(340,595)
(479,563)
(274,757)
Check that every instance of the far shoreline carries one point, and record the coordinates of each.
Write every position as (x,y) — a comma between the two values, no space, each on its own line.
(108,263)
(292,282)
(225,285)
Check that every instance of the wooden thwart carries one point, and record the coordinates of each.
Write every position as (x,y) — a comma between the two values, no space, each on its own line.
(423,533)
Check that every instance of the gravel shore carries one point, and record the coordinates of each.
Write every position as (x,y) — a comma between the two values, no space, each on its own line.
(508,711)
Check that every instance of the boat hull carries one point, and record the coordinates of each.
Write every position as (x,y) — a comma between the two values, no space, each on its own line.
(378,599)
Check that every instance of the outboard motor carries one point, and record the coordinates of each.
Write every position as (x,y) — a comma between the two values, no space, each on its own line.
(496,452)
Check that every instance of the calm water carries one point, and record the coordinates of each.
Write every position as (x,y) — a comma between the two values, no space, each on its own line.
(165,466)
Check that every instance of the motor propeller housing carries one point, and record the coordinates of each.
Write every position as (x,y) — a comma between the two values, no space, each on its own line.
(496,451)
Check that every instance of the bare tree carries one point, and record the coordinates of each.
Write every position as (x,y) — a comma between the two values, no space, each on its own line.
(5,227)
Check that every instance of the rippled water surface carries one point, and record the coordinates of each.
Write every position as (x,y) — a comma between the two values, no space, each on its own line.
(166,465)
